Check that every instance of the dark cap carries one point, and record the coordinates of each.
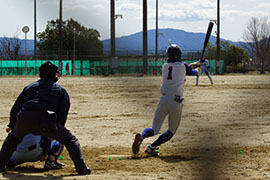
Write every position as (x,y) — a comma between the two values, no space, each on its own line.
(48,70)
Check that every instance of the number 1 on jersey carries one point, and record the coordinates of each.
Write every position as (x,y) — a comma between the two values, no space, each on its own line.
(169,77)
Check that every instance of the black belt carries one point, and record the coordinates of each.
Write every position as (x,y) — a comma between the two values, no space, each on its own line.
(30,148)
(177,98)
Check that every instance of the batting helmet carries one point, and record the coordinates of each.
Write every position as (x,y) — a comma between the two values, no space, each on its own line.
(174,52)
(49,70)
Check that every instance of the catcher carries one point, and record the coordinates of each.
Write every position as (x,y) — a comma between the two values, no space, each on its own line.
(37,148)
(42,109)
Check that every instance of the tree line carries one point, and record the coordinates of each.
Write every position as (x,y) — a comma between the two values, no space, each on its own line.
(85,41)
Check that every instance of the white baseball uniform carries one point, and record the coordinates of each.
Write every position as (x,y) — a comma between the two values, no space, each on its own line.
(30,149)
(204,68)
(173,79)
(25,154)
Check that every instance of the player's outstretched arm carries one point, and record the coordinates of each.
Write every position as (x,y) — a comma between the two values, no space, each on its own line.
(190,71)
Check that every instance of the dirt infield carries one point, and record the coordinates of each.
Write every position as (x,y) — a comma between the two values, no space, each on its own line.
(224,131)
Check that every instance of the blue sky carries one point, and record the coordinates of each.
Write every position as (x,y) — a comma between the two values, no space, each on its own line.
(188,15)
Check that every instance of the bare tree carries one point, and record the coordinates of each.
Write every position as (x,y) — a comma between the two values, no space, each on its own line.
(257,38)
(10,47)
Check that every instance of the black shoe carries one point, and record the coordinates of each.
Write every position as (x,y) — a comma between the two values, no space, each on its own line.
(2,168)
(137,143)
(53,165)
(85,171)
(10,165)
(153,151)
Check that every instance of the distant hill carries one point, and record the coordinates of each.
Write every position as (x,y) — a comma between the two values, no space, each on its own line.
(188,41)
(30,46)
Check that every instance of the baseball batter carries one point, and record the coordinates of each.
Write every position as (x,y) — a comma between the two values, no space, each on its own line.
(173,79)
(204,67)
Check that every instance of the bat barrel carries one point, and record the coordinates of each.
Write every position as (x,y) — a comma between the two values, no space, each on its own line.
(207,37)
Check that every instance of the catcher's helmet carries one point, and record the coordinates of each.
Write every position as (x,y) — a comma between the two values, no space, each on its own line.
(49,70)
(174,52)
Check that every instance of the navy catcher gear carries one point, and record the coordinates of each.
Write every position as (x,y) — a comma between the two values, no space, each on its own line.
(49,70)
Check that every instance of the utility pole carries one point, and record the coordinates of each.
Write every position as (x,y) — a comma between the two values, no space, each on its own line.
(112,36)
(74,49)
(25,29)
(218,36)
(156,30)
(145,53)
(112,29)
(60,66)
(35,29)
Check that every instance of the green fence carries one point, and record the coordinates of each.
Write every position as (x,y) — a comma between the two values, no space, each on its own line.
(89,67)
(19,67)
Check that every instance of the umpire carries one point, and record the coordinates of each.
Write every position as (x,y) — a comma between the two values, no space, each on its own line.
(42,109)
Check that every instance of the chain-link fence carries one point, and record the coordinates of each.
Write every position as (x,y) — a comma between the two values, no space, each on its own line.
(96,66)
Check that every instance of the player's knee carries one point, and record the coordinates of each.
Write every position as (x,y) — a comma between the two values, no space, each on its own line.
(156,131)
(148,132)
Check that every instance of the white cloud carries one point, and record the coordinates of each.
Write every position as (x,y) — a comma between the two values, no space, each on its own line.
(188,13)
(263,5)
(129,7)
(191,15)
(48,3)
(236,14)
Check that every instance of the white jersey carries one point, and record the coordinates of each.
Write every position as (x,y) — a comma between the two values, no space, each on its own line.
(173,78)
(204,65)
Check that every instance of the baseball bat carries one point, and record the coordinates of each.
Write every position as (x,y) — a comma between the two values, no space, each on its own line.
(208,34)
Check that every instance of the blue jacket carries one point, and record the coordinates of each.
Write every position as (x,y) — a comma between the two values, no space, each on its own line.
(43,94)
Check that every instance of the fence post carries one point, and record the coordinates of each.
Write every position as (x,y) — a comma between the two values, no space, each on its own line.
(138,67)
(81,67)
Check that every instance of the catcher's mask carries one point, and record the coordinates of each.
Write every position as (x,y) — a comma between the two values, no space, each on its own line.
(174,52)
(49,70)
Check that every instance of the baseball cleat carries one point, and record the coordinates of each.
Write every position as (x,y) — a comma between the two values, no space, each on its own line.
(53,165)
(136,144)
(2,168)
(153,151)
(86,171)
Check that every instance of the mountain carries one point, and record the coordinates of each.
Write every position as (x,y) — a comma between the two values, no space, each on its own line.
(132,44)
(188,41)
(29,43)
